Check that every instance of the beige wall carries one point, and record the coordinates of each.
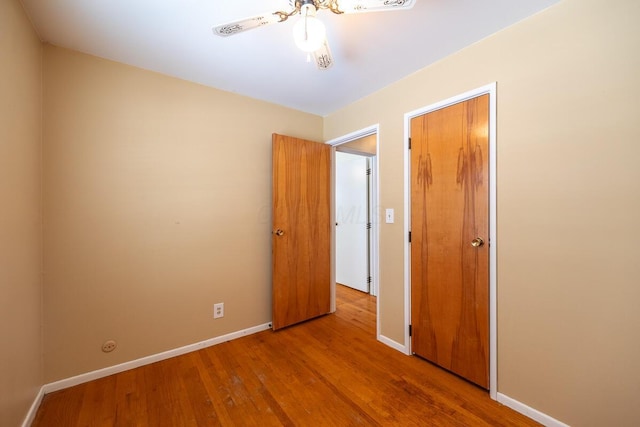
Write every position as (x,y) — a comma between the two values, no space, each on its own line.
(568,202)
(20,214)
(157,196)
(365,145)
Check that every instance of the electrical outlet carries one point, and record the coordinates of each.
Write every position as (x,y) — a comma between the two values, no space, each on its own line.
(109,346)
(218,310)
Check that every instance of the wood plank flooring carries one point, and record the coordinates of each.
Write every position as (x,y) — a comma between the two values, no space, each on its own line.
(330,371)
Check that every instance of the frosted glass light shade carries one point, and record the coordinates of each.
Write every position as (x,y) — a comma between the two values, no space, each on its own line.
(309,33)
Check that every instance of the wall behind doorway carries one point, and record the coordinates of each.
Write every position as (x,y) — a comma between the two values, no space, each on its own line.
(365,146)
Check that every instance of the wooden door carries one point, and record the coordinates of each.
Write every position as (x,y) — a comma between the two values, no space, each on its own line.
(301,230)
(450,233)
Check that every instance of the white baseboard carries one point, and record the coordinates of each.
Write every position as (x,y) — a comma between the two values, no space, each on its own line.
(534,414)
(34,409)
(100,373)
(393,344)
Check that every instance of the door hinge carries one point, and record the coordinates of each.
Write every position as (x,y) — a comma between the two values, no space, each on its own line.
(410,330)
(369,279)
(409,237)
(409,143)
(368,226)
(368,171)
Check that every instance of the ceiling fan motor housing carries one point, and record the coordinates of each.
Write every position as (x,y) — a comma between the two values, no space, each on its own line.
(300,3)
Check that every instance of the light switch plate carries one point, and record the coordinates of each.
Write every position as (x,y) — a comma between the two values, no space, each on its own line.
(388,217)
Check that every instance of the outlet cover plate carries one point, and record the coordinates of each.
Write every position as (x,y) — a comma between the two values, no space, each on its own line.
(218,310)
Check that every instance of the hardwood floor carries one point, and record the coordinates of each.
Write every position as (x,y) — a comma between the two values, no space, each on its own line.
(330,371)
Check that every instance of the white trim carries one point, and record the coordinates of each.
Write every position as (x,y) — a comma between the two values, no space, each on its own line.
(490,89)
(406,229)
(369,130)
(100,373)
(493,241)
(375,233)
(375,229)
(393,344)
(332,268)
(534,414)
(33,410)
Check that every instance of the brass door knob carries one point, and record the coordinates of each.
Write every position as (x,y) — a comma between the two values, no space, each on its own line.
(278,232)
(477,242)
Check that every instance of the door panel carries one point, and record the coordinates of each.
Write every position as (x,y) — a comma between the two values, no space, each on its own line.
(301,211)
(351,221)
(449,209)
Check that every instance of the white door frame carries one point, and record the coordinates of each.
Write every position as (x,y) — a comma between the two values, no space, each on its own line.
(493,243)
(375,217)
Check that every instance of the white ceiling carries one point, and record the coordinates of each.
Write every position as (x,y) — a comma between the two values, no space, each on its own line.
(371,50)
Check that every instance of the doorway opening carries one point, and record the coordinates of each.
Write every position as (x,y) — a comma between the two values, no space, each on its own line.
(356,218)
(353,218)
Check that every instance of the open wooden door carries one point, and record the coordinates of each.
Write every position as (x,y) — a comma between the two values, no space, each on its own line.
(449,238)
(301,240)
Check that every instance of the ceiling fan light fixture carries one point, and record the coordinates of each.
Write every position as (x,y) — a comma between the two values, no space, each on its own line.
(309,32)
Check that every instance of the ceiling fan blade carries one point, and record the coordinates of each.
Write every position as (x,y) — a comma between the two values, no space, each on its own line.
(359,6)
(246,24)
(323,57)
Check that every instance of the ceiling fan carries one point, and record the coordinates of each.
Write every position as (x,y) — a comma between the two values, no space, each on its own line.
(309,32)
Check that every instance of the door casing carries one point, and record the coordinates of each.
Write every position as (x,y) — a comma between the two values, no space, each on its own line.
(490,89)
